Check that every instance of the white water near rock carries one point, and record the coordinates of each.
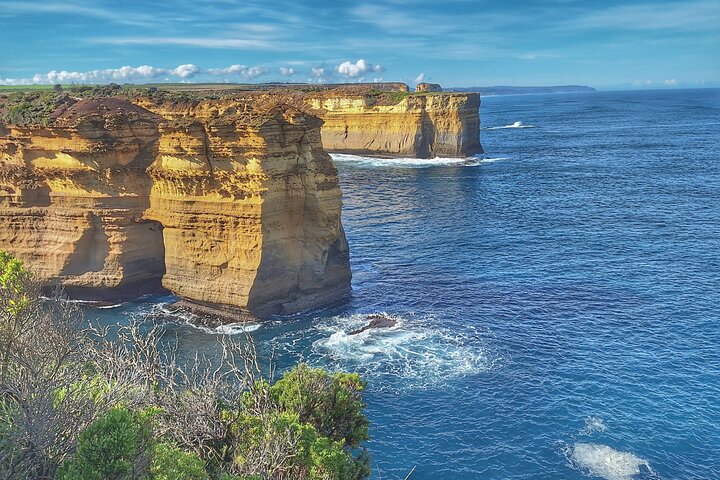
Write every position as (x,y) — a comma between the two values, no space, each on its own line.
(404,162)
(606,462)
(163,312)
(412,349)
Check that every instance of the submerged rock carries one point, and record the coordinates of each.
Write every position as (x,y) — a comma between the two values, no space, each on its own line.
(376,321)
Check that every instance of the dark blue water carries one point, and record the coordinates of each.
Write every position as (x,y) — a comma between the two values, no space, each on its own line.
(557,302)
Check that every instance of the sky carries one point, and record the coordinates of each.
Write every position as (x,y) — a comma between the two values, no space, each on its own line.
(606,44)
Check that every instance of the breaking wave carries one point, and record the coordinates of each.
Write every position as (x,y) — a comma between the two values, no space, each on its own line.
(413,350)
(517,124)
(404,162)
(605,462)
(164,312)
(491,160)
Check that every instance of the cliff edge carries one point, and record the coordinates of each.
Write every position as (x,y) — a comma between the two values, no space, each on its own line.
(218,203)
(422,125)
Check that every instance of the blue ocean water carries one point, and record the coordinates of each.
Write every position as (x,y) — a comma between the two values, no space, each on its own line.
(558,301)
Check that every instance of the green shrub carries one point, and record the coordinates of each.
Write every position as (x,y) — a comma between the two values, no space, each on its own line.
(32,108)
(332,404)
(171,463)
(282,446)
(14,279)
(114,447)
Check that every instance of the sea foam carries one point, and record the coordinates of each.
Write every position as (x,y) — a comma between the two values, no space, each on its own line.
(517,124)
(606,462)
(164,313)
(404,162)
(412,350)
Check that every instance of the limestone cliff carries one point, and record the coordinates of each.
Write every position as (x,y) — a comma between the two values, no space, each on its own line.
(223,205)
(72,198)
(412,125)
(251,204)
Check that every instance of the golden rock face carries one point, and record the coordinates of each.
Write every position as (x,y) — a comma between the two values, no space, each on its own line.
(422,126)
(221,207)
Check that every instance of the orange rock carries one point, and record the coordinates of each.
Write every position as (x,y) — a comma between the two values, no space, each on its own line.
(224,204)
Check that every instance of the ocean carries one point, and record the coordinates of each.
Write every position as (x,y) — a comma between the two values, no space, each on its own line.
(558,299)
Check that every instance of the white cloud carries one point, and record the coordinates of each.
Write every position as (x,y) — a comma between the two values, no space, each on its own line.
(318,75)
(358,69)
(122,74)
(420,78)
(671,82)
(242,70)
(287,71)
(187,70)
(128,74)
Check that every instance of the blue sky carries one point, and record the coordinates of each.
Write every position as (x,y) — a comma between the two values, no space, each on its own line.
(605,44)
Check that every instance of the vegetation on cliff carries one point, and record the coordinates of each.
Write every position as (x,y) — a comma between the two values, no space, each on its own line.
(77,402)
(32,108)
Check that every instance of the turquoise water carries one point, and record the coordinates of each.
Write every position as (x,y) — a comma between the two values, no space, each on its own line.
(557,301)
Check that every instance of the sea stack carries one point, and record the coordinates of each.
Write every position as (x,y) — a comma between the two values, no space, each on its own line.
(361,120)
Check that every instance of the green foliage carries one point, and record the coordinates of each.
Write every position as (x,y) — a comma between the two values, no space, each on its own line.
(312,456)
(14,280)
(388,98)
(32,108)
(308,425)
(114,447)
(171,463)
(332,404)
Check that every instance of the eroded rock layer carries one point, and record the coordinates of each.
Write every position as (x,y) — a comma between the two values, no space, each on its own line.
(412,125)
(73,195)
(251,206)
(223,203)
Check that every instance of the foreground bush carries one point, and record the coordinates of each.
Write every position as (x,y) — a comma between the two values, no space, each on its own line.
(79,403)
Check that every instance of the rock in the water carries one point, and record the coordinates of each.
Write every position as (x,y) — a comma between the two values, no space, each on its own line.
(399,123)
(376,321)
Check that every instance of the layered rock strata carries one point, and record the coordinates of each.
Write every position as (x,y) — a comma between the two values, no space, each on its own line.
(224,204)
(251,204)
(405,125)
(73,197)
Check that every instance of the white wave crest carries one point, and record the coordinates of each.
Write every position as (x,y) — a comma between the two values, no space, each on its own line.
(491,160)
(517,124)
(105,307)
(412,350)
(606,462)
(164,312)
(404,162)
(230,328)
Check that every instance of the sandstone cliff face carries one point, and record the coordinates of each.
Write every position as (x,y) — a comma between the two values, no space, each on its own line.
(72,198)
(252,206)
(222,206)
(423,126)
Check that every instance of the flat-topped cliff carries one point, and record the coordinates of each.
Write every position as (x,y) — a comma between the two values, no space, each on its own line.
(365,120)
(383,119)
(422,125)
(220,204)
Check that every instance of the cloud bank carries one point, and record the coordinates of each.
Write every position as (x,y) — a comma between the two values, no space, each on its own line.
(345,71)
